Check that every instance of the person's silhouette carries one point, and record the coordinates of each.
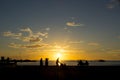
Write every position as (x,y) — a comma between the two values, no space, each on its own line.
(80,63)
(57,62)
(46,62)
(41,62)
(86,63)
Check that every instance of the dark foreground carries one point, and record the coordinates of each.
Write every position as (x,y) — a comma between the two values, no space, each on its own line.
(60,73)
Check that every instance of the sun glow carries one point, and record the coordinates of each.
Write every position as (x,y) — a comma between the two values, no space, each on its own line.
(58,55)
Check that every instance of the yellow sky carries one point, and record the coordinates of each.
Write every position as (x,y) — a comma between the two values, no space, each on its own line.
(64,52)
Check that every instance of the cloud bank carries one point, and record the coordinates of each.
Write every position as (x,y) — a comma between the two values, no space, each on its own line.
(28,37)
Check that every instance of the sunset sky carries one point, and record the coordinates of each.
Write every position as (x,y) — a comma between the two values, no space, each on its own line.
(69,29)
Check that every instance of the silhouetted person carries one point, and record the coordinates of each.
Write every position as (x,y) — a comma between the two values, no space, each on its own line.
(57,62)
(15,61)
(41,62)
(8,60)
(86,63)
(80,63)
(46,62)
(3,59)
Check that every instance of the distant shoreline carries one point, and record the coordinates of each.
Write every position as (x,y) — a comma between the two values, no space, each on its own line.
(74,63)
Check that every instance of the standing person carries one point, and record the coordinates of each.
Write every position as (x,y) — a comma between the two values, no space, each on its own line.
(80,63)
(57,62)
(86,63)
(46,62)
(41,62)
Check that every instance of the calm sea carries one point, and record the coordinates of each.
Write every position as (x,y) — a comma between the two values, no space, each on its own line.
(74,63)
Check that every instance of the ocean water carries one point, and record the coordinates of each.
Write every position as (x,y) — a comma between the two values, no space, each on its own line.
(74,63)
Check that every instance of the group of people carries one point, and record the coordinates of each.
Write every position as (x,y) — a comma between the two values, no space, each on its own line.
(58,63)
(83,63)
(46,62)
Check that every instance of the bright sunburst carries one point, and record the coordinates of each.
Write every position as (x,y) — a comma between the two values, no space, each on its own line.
(58,55)
(59,52)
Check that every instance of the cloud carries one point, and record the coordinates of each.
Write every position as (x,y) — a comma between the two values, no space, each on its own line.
(13,45)
(30,46)
(47,29)
(13,35)
(27,30)
(59,47)
(41,34)
(73,24)
(76,42)
(36,39)
(35,46)
(32,39)
(93,44)
(113,3)
(27,35)
(114,51)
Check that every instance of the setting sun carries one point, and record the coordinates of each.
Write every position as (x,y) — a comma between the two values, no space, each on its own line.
(59,52)
(58,55)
